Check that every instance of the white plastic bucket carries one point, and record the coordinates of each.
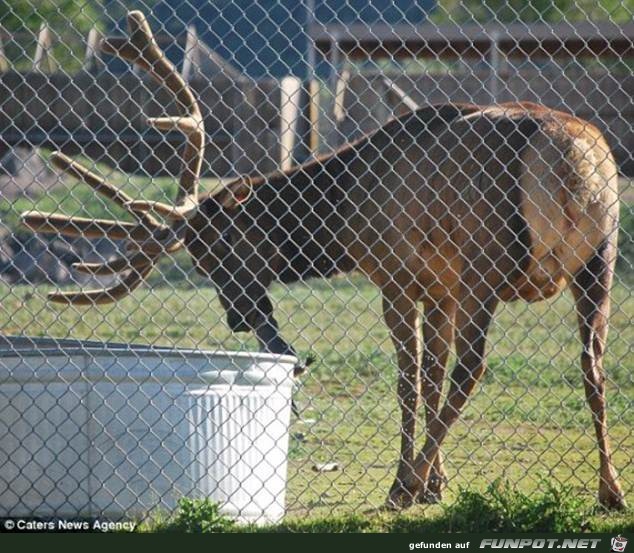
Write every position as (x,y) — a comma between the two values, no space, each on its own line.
(119,431)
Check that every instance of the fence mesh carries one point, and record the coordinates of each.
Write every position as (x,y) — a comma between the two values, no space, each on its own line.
(353,205)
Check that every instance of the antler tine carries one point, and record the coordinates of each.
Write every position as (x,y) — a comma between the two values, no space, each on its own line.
(77,170)
(106,295)
(141,48)
(55,223)
(149,237)
(117,265)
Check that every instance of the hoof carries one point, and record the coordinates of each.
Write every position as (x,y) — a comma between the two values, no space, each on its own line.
(400,498)
(433,491)
(611,497)
(429,497)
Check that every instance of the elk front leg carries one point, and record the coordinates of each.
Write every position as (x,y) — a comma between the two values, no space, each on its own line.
(438,327)
(473,318)
(402,318)
(591,289)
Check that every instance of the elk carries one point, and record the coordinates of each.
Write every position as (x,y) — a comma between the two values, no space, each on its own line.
(457,207)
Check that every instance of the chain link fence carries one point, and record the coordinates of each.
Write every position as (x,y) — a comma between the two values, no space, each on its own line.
(316,179)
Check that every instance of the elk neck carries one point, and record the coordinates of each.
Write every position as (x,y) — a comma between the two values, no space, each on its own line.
(301,212)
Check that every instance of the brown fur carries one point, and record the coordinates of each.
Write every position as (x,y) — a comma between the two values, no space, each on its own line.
(456,206)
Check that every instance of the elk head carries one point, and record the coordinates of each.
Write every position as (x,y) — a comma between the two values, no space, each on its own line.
(206,230)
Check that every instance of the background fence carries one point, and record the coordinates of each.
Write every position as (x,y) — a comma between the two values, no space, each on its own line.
(314,76)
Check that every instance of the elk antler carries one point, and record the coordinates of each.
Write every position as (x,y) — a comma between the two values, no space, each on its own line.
(148,238)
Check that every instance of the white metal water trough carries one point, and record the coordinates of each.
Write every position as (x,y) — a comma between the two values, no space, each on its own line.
(90,429)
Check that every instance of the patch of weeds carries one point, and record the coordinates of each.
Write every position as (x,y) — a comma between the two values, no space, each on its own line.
(194,516)
(345,524)
(501,508)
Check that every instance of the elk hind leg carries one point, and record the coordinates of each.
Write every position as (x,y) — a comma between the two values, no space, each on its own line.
(438,329)
(473,318)
(591,289)
(402,318)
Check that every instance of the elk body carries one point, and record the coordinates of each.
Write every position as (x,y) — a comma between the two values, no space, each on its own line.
(455,207)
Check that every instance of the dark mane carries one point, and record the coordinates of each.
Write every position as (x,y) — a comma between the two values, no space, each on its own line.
(310,248)
(423,117)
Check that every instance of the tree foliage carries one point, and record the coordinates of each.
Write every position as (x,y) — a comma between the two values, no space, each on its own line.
(69,22)
(61,15)
(530,11)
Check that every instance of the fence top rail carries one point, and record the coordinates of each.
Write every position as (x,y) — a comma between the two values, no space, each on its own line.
(587,37)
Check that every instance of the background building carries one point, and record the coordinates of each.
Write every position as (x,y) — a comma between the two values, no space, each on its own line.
(270,37)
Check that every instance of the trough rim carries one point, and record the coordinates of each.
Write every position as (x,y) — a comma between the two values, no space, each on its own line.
(41,346)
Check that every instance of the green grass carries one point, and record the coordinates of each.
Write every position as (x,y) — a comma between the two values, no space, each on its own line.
(527,422)
(625,264)
(199,516)
(500,508)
